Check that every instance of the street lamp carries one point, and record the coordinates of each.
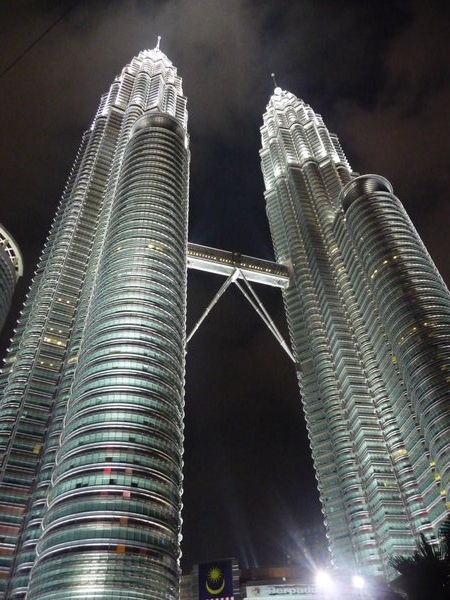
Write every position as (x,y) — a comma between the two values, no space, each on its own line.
(358,582)
(324,581)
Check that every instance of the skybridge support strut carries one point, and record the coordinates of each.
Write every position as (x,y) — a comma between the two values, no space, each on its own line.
(226,284)
(262,312)
(251,296)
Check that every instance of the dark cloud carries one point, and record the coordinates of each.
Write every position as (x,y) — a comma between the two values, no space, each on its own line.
(377,71)
(330,49)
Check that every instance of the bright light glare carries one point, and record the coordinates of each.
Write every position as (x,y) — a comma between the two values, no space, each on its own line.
(358,582)
(324,581)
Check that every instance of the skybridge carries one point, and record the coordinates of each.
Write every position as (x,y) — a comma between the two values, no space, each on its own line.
(242,270)
(223,262)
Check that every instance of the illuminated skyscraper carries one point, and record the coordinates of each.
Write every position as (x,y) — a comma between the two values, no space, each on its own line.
(11,268)
(92,389)
(369,318)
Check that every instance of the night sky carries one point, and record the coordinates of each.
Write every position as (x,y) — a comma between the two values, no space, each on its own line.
(378,72)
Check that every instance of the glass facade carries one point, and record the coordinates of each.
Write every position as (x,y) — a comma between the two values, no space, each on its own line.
(92,390)
(369,319)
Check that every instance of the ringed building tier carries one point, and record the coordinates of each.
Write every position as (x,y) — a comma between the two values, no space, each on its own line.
(92,394)
(369,319)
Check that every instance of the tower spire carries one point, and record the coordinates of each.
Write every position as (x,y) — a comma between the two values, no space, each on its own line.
(158,42)
(274,80)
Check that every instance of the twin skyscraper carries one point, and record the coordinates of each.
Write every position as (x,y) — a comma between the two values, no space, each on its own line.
(91,411)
